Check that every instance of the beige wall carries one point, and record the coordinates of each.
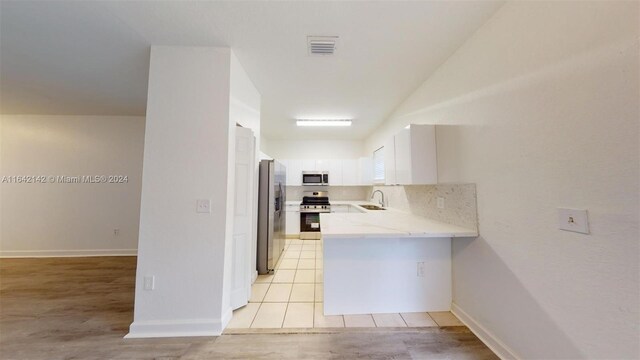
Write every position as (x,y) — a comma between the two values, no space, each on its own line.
(56,219)
(540,110)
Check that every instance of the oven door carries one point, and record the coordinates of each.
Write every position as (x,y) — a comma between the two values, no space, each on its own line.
(309,222)
(311,178)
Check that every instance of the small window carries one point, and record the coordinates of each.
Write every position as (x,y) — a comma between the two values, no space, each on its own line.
(378,166)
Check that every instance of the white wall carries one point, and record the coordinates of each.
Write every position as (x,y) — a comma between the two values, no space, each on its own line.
(188,156)
(540,109)
(264,145)
(315,149)
(56,219)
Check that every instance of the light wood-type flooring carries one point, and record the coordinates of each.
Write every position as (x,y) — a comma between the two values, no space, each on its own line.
(80,308)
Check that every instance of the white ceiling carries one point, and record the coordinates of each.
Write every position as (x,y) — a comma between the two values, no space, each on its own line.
(92,57)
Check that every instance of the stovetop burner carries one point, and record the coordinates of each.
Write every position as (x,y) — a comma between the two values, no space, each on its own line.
(315,201)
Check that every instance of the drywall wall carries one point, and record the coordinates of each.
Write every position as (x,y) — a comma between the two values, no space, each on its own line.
(264,145)
(315,149)
(540,109)
(70,219)
(188,156)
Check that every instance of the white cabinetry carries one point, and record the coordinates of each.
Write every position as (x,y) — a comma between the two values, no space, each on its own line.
(309,165)
(342,172)
(365,171)
(341,208)
(415,159)
(390,162)
(294,172)
(292,213)
(350,172)
(334,167)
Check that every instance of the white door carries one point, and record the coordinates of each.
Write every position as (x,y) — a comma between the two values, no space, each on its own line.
(243,221)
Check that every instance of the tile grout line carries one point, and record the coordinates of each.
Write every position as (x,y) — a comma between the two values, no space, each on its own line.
(432,319)
(255,316)
(374,320)
(286,310)
(405,321)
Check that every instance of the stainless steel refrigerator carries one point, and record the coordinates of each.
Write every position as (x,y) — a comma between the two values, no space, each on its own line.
(271,215)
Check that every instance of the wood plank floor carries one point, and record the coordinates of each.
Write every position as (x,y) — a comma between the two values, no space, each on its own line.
(80,308)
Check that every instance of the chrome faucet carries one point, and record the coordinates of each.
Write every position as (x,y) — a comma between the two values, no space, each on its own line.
(381,195)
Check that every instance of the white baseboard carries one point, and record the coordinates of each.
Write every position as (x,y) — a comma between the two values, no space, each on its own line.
(492,342)
(66,253)
(254,276)
(226,317)
(177,328)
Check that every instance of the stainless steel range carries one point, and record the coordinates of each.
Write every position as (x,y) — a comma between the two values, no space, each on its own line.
(313,203)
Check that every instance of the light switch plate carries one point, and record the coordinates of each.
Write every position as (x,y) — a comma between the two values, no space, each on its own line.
(573,220)
(203,206)
(440,202)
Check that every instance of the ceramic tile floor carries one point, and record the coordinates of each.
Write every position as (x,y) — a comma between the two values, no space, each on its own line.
(292,298)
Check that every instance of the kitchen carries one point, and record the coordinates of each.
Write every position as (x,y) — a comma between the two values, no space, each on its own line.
(336,217)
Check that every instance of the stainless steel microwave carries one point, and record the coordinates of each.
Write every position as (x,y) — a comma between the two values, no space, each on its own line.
(315,178)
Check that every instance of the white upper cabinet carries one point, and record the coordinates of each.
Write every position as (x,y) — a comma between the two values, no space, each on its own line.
(365,171)
(415,159)
(309,165)
(390,162)
(342,172)
(294,172)
(334,167)
(350,172)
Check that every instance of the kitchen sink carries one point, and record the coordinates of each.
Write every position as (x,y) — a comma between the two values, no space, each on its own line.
(372,207)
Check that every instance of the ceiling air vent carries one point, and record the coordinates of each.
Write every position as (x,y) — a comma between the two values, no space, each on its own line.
(322,45)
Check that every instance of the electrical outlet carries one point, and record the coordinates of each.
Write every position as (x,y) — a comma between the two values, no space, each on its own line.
(203,206)
(420,269)
(149,282)
(116,232)
(573,220)
(440,202)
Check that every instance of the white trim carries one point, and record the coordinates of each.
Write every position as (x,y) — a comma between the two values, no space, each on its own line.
(254,276)
(489,339)
(66,253)
(226,317)
(177,328)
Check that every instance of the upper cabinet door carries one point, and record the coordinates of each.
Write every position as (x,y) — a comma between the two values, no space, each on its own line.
(309,165)
(294,172)
(390,162)
(402,141)
(323,165)
(365,171)
(350,173)
(334,167)
(415,156)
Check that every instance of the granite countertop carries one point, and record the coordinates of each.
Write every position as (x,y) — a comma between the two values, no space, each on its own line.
(386,223)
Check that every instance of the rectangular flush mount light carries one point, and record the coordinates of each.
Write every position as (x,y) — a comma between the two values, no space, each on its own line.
(327,122)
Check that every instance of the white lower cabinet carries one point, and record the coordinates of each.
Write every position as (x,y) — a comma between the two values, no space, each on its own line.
(341,208)
(293,222)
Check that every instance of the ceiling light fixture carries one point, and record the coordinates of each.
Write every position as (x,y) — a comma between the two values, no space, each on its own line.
(323,122)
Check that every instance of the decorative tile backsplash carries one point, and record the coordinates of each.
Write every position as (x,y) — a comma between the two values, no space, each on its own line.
(294,193)
(422,200)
